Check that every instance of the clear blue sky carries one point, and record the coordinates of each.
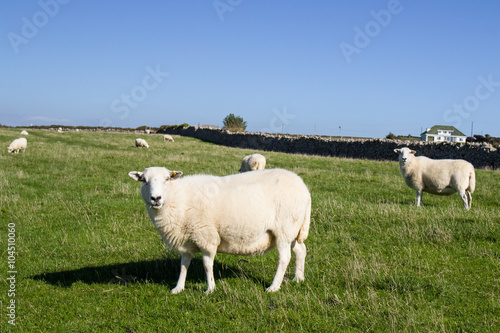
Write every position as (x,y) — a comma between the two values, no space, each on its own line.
(365,67)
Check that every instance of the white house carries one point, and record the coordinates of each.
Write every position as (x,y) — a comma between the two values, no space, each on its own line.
(441,133)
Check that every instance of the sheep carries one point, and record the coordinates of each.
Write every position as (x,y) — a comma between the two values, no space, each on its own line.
(253,162)
(60,130)
(242,214)
(17,145)
(141,143)
(442,177)
(147,131)
(24,132)
(168,137)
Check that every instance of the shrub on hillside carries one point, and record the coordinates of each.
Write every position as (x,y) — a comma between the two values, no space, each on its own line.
(234,123)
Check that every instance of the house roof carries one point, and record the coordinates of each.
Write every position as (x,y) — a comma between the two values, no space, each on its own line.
(434,130)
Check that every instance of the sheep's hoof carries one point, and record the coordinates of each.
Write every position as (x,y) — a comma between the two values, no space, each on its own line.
(176,290)
(209,291)
(299,279)
(272,289)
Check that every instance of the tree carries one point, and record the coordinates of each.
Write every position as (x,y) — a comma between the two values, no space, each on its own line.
(234,123)
(390,136)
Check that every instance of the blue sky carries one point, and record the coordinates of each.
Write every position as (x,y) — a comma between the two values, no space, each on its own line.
(361,68)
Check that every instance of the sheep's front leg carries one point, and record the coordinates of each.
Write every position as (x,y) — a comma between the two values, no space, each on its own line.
(284,255)
(185,261)
(419,198)
(208,264)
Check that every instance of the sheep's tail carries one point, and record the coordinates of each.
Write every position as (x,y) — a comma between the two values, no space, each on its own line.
(304,229)
(472,181)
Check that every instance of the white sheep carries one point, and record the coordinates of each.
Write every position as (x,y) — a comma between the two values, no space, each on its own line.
(24,132)
(17,145)
(253,162)
(141,143)
(60,130)
(443,177)
(148,131)
(168,137)
(242,214)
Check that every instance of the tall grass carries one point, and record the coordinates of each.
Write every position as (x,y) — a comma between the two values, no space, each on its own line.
(89,259)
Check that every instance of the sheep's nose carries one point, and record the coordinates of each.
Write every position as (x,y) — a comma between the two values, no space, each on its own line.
(155,199)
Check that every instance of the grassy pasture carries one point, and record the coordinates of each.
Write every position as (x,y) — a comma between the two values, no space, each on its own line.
(89,259)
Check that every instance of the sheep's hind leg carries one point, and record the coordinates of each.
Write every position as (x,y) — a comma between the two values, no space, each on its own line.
(185,261)
(299,250)
(284,255)
(466,198)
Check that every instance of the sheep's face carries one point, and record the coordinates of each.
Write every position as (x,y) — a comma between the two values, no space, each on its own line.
(155,180)
(405,155)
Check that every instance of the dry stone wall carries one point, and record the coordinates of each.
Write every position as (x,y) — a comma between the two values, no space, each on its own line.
(480,155)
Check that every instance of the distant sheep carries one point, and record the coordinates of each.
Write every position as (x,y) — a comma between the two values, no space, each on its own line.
(168,137)
(443,177)
(60,130)
(23,132)
(253,162)
(17,145)
(141,143)
(147,131)
(242,214)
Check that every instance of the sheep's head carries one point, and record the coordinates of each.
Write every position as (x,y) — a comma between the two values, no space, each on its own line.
(154,180)
(405,155)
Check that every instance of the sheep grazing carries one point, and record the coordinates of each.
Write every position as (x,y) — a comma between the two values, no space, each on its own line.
(141,143)
(168,137)
(23,132)
(242,214)
(253,162)
(443,177)
(17,145)
(60,130)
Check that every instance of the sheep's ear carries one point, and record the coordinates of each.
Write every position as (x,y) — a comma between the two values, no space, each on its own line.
(175,174)
(413,152)
(397,151)
(137,176)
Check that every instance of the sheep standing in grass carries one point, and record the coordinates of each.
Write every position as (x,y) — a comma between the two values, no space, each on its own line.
(17,145)
(141,143)
(243,214)
(443,177)
(253,162)
(24,132)
(168,137)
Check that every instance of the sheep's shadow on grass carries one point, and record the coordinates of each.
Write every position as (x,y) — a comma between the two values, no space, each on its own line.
(160,271)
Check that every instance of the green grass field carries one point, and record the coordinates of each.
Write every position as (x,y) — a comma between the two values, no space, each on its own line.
(88,259)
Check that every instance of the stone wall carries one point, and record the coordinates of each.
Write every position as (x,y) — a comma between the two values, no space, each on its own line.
(480,155)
